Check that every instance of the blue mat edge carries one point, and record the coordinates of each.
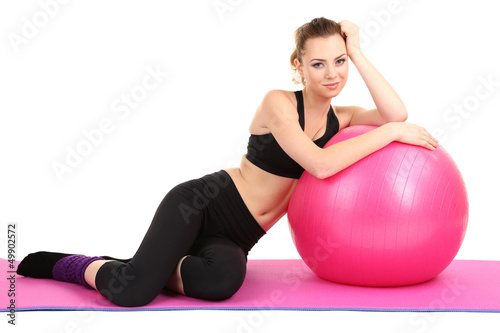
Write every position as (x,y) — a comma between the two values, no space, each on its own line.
(252,309)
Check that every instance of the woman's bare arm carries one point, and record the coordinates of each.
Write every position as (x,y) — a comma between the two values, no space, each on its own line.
(280,117)
(389,106)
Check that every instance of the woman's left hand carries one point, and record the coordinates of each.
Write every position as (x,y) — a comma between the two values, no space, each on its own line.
(350,32)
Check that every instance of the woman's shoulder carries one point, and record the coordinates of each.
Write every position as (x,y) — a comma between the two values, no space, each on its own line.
(279,95)
(349,109)
(278,99)
(276,104)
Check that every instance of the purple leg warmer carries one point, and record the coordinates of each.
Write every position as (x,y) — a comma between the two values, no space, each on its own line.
(72,269)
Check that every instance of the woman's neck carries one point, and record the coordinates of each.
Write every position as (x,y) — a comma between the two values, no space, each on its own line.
(314,103)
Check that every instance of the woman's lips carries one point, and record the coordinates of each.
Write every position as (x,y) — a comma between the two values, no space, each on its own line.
(332,85)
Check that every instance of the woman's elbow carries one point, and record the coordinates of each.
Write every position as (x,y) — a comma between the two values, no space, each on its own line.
(402,115)
(322,171)
(320,164)
(321,175)
(399,115)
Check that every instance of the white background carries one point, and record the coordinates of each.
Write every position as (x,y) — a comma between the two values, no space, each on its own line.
(65,72)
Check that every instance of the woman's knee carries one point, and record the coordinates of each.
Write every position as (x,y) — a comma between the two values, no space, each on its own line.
(226,281)
(217,273)
(122,287)
(216,286)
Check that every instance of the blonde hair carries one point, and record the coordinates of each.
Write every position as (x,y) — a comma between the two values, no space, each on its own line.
(318,27)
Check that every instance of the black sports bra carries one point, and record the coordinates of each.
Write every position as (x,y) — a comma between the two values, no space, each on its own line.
(265,152)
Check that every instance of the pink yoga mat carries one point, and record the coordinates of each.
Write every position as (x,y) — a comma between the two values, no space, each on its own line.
(466,285)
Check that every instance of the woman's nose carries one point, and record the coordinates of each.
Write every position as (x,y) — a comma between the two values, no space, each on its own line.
(331,72)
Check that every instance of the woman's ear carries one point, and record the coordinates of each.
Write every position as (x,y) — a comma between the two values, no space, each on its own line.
(298,65)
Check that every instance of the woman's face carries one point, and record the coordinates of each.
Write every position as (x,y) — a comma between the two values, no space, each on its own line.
(324,65)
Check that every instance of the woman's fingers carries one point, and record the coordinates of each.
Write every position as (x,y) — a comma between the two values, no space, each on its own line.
(429,141)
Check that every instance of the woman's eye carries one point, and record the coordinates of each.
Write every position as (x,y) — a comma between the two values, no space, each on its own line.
(338,62)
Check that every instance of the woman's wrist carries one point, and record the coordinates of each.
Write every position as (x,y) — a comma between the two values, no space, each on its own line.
(356,56)
(391,130)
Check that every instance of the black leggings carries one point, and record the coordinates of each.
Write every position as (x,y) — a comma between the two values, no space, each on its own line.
(204,218)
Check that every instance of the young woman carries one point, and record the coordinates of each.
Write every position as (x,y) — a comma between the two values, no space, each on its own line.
(198,241)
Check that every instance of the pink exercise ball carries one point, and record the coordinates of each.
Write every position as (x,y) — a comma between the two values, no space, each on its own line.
(397,217)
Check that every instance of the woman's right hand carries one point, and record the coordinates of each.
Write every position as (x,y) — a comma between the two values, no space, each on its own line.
(412,134)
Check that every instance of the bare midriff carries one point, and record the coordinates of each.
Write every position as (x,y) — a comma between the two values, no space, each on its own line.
(265,195)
